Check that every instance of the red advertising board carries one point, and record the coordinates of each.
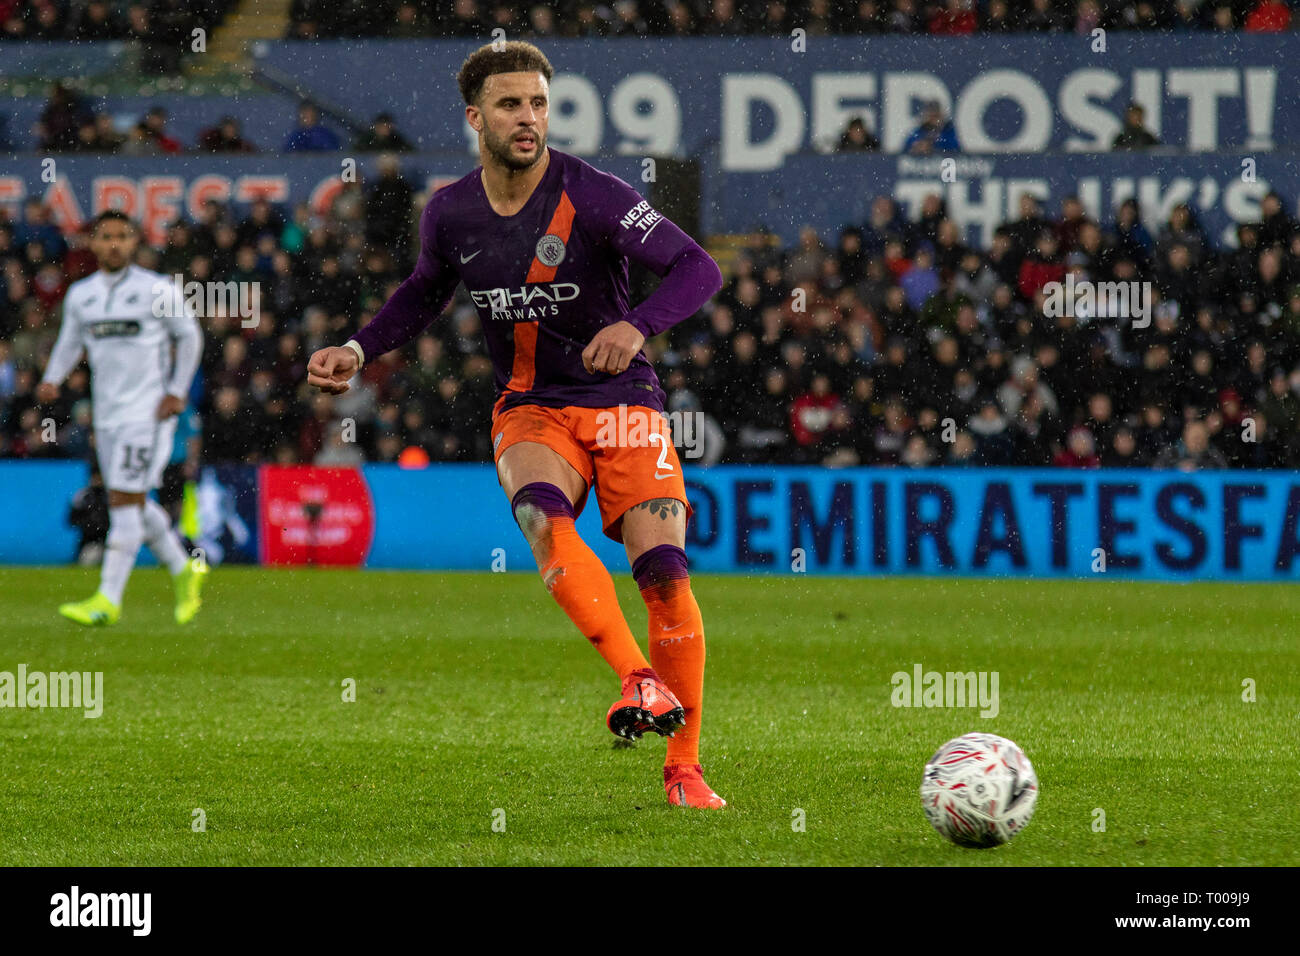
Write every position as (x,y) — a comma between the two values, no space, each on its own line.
(314,515)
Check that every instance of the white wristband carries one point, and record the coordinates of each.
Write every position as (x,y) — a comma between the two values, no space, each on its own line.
(361,356)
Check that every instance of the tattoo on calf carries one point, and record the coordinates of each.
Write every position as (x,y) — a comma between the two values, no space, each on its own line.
(661,507)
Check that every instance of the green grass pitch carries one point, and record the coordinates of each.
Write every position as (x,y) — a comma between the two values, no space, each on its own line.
(477,703)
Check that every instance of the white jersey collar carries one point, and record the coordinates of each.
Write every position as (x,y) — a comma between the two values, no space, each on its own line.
(123,274)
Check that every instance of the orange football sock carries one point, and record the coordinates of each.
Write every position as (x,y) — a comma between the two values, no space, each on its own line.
(574,575)
(676,640)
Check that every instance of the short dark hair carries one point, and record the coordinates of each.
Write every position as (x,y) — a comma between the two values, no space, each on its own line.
(111,215)
(513,57)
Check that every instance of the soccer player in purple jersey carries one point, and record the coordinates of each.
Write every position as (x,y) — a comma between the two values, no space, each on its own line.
(542,241)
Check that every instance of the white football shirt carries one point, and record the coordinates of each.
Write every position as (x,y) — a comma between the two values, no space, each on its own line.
(127,323)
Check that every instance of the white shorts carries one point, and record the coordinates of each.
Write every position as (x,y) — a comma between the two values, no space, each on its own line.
(132,456)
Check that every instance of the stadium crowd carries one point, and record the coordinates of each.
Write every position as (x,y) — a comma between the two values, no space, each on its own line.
(407,18)
(162,30)
(163,26)
(70,123)
(893,343)
(583,18)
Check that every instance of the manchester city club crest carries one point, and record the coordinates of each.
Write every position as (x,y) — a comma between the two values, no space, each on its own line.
(550,250)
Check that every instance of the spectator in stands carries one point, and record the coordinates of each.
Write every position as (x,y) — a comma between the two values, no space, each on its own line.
(622,18)
(1041,266)
(98,22)
(1276,226)
(957,18)
(1072,221)
(1087,17)
(389,209)
(86,137)
(587,22)
(1224,19)
(155,121)
(721,20)
(1080,450)
(1044,17)
(994,442)
(1025,381)
(1268,16)
(935,134)
(1122,452)
(857,138)
(1183,230)
(998,19)
(140,142)
(1134,134)
(8,372)
(805,263)
(64,114)
(884,224)
(1193,452)
(305,24)
(921,280)
(104,137)
(311,135)
(465,20)
(45,22)
(1024,232)
(903,17)
(408,23)
(1187,16)
(1131,237)
(38,227)
(1281,409)
(156,56)
(225,137)
(813,417)
(382,137)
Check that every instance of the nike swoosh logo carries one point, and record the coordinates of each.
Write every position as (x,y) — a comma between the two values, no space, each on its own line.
(464,258)
(662,477)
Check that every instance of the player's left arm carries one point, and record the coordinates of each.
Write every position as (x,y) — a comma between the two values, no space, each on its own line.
(188,339)
(689,277)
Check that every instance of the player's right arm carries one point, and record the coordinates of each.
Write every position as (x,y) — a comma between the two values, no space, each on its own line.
(416,303)
(64,357)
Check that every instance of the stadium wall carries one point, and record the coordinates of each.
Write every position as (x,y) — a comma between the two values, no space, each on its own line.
(754,100)
(758,100)
(1159,525)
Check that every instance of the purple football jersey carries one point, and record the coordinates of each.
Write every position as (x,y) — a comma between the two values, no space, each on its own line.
(547,279)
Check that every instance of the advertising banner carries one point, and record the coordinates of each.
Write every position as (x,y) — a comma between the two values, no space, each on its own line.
(985,522)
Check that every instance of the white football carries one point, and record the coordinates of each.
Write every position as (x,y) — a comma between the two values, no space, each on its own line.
(979,790)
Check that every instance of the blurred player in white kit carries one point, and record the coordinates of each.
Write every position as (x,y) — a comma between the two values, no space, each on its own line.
(143,346)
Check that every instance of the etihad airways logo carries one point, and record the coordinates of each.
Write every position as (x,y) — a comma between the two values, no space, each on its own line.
(526,303)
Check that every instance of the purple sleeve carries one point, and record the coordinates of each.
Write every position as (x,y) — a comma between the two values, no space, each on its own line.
(691,280)
(417,302)
(635,229)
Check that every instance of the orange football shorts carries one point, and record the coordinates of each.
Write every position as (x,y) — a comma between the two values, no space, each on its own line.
(625,453)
